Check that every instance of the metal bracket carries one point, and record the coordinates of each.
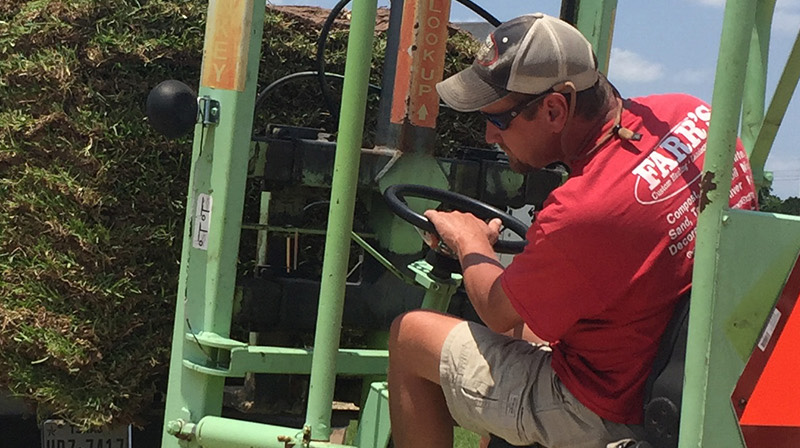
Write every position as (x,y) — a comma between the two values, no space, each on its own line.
(209,108)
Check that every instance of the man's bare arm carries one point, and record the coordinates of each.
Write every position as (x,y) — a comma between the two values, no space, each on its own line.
(471,239)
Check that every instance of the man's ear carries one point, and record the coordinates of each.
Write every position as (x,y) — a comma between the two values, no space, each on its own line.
(557,111)
(569,87)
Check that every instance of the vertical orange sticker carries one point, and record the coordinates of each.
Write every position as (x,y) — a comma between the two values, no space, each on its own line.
(405,59)
(420,62)
(227,44)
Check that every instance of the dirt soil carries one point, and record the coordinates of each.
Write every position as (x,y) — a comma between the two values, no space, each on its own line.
(316,16)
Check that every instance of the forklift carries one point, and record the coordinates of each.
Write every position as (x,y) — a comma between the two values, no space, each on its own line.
(723,374)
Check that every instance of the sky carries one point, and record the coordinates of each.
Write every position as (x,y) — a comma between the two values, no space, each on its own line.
(671,46)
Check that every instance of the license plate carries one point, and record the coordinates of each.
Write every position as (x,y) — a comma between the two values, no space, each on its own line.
(58,434)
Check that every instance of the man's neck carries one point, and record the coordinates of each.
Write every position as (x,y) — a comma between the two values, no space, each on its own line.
(580,135)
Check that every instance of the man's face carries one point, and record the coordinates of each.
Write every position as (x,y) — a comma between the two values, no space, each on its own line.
(520,133)
(517,165)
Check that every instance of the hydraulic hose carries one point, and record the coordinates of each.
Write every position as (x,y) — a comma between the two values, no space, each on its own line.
(262,95)
(323,37)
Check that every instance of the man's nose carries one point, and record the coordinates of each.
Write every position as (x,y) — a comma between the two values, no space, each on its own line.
(492,134)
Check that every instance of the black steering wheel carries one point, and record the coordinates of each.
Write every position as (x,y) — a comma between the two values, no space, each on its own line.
(395,197)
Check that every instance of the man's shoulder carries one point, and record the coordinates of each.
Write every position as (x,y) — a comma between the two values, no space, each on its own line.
(655,116)
(668,100)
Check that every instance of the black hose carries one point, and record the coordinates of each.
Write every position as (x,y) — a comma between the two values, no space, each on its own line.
(326,28)
(323,37)
(481,12)
(262,95)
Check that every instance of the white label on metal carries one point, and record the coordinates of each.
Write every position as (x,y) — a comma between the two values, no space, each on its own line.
(58,434)
(202,222)
(767,335)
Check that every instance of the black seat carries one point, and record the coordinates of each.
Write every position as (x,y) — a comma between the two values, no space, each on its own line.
(663,389)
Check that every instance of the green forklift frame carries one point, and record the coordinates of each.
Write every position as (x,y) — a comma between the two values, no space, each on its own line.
(742,258)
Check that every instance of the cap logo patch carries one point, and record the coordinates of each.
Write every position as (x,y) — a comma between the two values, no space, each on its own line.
(488,54)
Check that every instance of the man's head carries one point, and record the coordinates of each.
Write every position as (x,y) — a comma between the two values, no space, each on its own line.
(543,70)
(531,54)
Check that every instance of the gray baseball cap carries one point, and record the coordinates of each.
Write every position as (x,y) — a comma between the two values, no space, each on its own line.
(529,54)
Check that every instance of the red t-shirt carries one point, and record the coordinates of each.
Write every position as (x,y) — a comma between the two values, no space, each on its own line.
(612,250)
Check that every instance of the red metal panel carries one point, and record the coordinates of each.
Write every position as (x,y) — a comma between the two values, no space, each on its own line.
(771,436)
(766,398)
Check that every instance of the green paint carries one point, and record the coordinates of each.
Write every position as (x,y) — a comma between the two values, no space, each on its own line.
(750,280)
(777,109)
(218,432)
(756,82)
(596,21)
(438,292)
(298,361)
(373,428)
(735,284)
(311,177)
(381,259)
(263,236)
(340,218)
(706,403)
(411,168)
(207,277)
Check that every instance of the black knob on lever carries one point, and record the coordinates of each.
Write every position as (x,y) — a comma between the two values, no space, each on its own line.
(172,108)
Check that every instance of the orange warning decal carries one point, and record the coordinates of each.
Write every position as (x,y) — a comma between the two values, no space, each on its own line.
(227,44)
(766,395)
(775,397)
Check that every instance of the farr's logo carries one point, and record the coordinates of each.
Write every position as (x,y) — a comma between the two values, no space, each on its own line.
(670,167)
(487,54)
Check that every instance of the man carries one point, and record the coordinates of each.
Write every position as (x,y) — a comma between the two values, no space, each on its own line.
(608,256)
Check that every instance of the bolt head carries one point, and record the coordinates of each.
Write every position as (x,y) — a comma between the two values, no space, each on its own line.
(174,427)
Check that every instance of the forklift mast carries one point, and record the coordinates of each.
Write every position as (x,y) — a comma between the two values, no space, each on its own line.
(742,260)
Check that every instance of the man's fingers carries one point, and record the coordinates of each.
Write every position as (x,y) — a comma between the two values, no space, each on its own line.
(430,214)
(493,230)
(495,224)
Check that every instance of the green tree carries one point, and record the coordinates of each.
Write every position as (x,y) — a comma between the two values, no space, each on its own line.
(768,202)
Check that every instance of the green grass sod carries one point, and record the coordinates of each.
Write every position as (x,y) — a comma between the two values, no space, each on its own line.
(93,201)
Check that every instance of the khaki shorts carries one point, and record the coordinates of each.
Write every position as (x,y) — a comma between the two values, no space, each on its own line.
(499,385)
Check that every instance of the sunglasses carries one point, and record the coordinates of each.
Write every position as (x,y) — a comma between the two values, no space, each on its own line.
(503,120)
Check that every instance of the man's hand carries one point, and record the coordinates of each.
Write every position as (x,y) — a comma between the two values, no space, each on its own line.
(458,228)
(472,239)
